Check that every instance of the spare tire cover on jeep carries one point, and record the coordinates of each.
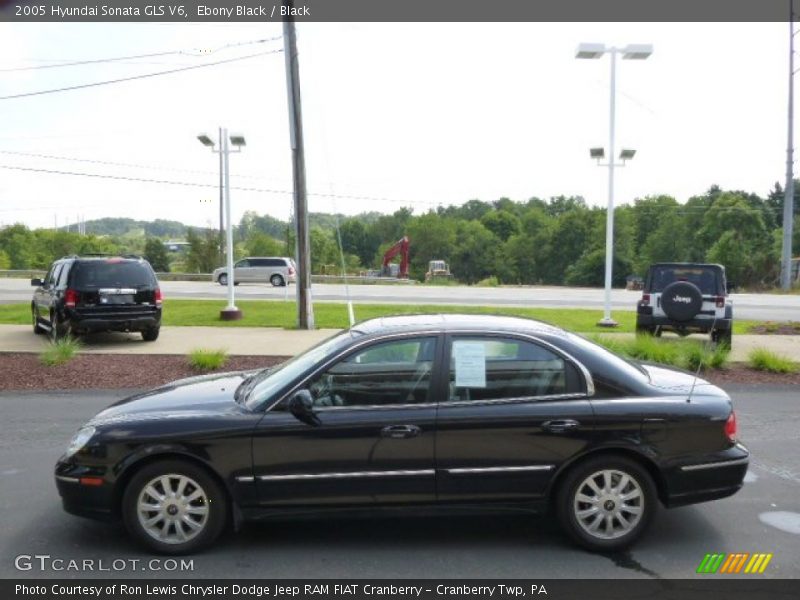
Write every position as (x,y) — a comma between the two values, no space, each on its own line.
(681,300)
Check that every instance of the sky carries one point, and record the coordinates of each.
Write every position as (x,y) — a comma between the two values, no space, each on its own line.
(406,114)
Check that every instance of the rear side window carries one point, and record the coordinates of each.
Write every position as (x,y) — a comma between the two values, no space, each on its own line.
(112,273)
(503,368)
(705,279)
(275,262)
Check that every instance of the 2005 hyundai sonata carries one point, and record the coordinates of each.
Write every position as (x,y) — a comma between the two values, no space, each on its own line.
(423,412)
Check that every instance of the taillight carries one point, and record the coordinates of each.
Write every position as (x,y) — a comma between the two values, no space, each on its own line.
(720,301)
(730,426)
(70,298)
(159,296)
(645,299)
(291,271)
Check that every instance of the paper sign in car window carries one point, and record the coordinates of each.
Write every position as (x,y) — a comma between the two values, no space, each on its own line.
(470,359)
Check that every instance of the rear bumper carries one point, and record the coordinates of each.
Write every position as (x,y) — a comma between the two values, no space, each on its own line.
(717,476)
(114,321)
(648,320)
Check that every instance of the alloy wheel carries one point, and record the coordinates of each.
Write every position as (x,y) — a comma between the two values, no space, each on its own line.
(608,504)
(172,508)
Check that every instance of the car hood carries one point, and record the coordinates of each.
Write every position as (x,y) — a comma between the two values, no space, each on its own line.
(203,396)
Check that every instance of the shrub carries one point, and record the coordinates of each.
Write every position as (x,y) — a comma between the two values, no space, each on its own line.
(488,282)
(60,351)
(207,360)
(762,359)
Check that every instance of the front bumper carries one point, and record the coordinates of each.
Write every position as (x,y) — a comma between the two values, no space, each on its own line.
(718,475)
(81,499)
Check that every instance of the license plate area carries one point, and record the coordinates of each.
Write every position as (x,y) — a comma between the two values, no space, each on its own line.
(116,299)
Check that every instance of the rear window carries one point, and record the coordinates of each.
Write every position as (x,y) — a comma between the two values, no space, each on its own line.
(704,278)
(112,273)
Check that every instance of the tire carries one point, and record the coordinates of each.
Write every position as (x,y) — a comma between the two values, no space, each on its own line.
(200,520)
(637,511)
(57,330)
(37,329)
(151,334)
(644,330)
(277,281)
(222,279)
(722,337)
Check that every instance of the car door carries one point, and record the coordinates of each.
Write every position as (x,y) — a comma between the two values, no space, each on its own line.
(44,297)
(373,437)
(514,410)
(243,271)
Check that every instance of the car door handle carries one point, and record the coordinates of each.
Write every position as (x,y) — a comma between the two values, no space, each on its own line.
(398,432)
(560,425)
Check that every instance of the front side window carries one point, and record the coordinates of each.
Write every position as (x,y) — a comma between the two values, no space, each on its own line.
(241,264)
(386,373)
(52,276)
(483,368)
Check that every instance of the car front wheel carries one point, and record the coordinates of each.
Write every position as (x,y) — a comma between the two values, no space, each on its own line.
(37,329)
(174,507)
(606,503)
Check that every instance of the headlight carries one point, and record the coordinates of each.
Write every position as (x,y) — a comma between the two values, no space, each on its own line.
(80,440)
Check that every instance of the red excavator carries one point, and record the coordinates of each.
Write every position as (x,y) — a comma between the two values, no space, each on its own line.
(401,248)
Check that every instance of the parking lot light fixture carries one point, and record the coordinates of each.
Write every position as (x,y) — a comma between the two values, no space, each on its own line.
(629,52)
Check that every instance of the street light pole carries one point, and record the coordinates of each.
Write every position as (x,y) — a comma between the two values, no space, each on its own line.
(607,321)
(230,312)
(630,52)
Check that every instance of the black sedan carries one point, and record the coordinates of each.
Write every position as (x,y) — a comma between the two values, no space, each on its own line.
(420,412)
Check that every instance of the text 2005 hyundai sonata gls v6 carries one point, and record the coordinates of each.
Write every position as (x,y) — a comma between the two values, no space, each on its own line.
(420,412)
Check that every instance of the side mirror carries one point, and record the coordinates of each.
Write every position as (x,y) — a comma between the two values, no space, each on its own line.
(37,282)
(301,405)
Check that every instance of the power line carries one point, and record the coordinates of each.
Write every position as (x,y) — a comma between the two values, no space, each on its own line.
(135,77)
(56,65)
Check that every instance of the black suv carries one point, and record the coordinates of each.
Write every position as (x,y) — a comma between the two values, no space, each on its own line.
(686,298)
(83,294)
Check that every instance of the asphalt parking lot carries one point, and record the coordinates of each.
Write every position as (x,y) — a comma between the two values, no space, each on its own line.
(763,517)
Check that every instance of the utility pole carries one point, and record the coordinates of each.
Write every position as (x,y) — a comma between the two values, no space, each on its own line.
(305,309)
(788,198)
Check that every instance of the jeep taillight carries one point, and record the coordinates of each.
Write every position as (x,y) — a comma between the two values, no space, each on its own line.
(730,426)
(159,296)
(70,298)
(645,299)
(720,301)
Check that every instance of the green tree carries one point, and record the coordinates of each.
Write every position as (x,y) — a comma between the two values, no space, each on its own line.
(156,254)
(203,254)
(260,244)
(502,223)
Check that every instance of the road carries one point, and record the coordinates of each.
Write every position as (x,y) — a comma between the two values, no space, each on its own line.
(35,428)
(761,307)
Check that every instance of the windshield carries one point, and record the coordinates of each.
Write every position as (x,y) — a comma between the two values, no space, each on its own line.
(112,273)
(274,381)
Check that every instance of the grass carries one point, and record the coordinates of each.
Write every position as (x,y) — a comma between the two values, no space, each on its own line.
(202,359)
(60,352)
(762,359)
(682,353)
(277,313)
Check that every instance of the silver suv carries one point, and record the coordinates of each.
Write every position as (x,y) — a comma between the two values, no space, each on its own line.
(686,298)
(259,269)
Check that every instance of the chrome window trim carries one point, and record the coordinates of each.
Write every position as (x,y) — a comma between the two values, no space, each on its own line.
(375,407)
(478,470)
(587,376)
(716,465)
(517,400)
(354,474)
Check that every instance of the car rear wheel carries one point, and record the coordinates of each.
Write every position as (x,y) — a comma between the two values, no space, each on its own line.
(174,507)
(722,337)
(606,503)
(276,280)
(223,279)
(151,334)
(58,330)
